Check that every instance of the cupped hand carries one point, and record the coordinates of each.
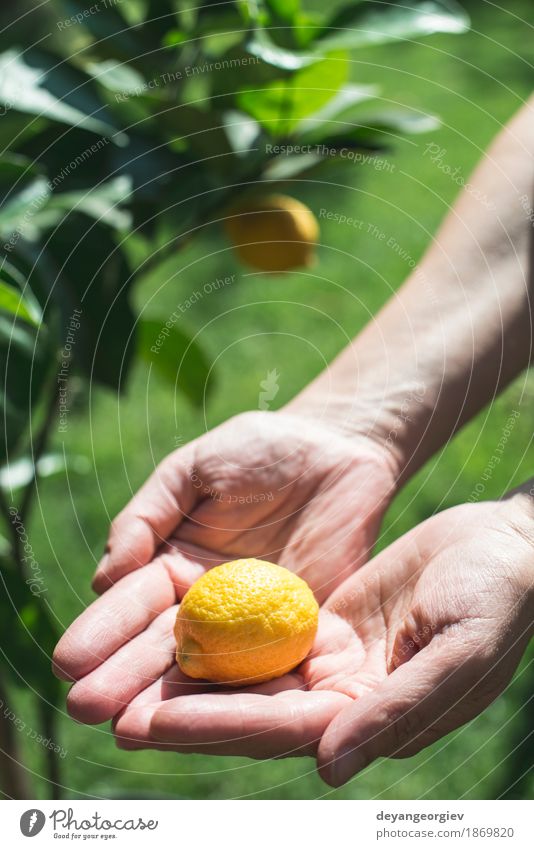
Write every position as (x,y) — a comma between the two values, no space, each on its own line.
(416,643)
(457,599)
(266,485)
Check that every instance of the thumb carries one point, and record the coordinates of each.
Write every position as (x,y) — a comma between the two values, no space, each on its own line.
(414,706)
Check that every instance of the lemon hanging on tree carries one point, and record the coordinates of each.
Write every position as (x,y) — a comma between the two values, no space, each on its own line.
(273,232)
(244,622)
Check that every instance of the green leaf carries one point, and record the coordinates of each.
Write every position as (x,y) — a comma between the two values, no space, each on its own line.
(13,275)
(21,472)
(363,126)
(25,354)
(114,37)
(174,37)
(175,356)
(286,167)
(12,301)
(160,16)
(241,71)
(375,131)
(284,9)
(18,213)
(202,132)
(260,44)
(23,192)
(95,279)
(190,199)
(116,76)
(404,121)
(362,24)
(242,131)
(216,45)
(306,28)
(27,634)
(337,108)
(219,29)
(135,11)
(72,159)
(281,105)
(35,209)
(148,164)
(25,358)
(35,82)
(102,202)
(5,547)
(14,169)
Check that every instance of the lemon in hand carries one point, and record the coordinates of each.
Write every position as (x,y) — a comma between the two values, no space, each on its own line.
(244,622)
(273,233)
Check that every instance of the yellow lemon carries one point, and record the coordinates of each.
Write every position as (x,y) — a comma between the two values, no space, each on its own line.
(273,233)
(244,622)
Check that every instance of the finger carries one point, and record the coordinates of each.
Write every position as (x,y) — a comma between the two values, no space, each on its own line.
(101,694)
(170,685)
(112,620)
(186,563)
(251,724)
(174,683)
(134,724)
(414,706)
(146,522)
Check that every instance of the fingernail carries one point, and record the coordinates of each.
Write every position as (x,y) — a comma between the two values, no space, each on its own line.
(348,763)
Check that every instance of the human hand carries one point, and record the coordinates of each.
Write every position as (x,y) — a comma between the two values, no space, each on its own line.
(265,485)
(417,642)
(457,596)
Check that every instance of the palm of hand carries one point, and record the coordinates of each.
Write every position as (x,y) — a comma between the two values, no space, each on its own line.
(280,718)
(262,485)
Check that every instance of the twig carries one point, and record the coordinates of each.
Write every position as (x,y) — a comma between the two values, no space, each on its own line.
(13,777)
(48,721)
(15,539)
(40,445)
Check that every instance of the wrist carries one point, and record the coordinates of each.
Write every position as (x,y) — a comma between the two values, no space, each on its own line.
(357,425)
(519,511)
(390,425)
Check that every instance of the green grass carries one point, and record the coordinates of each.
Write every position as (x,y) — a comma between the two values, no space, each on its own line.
(295,323)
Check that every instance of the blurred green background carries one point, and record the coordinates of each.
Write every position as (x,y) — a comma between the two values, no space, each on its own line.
(294,323)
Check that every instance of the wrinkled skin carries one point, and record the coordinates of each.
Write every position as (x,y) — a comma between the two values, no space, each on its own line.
(410,647)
